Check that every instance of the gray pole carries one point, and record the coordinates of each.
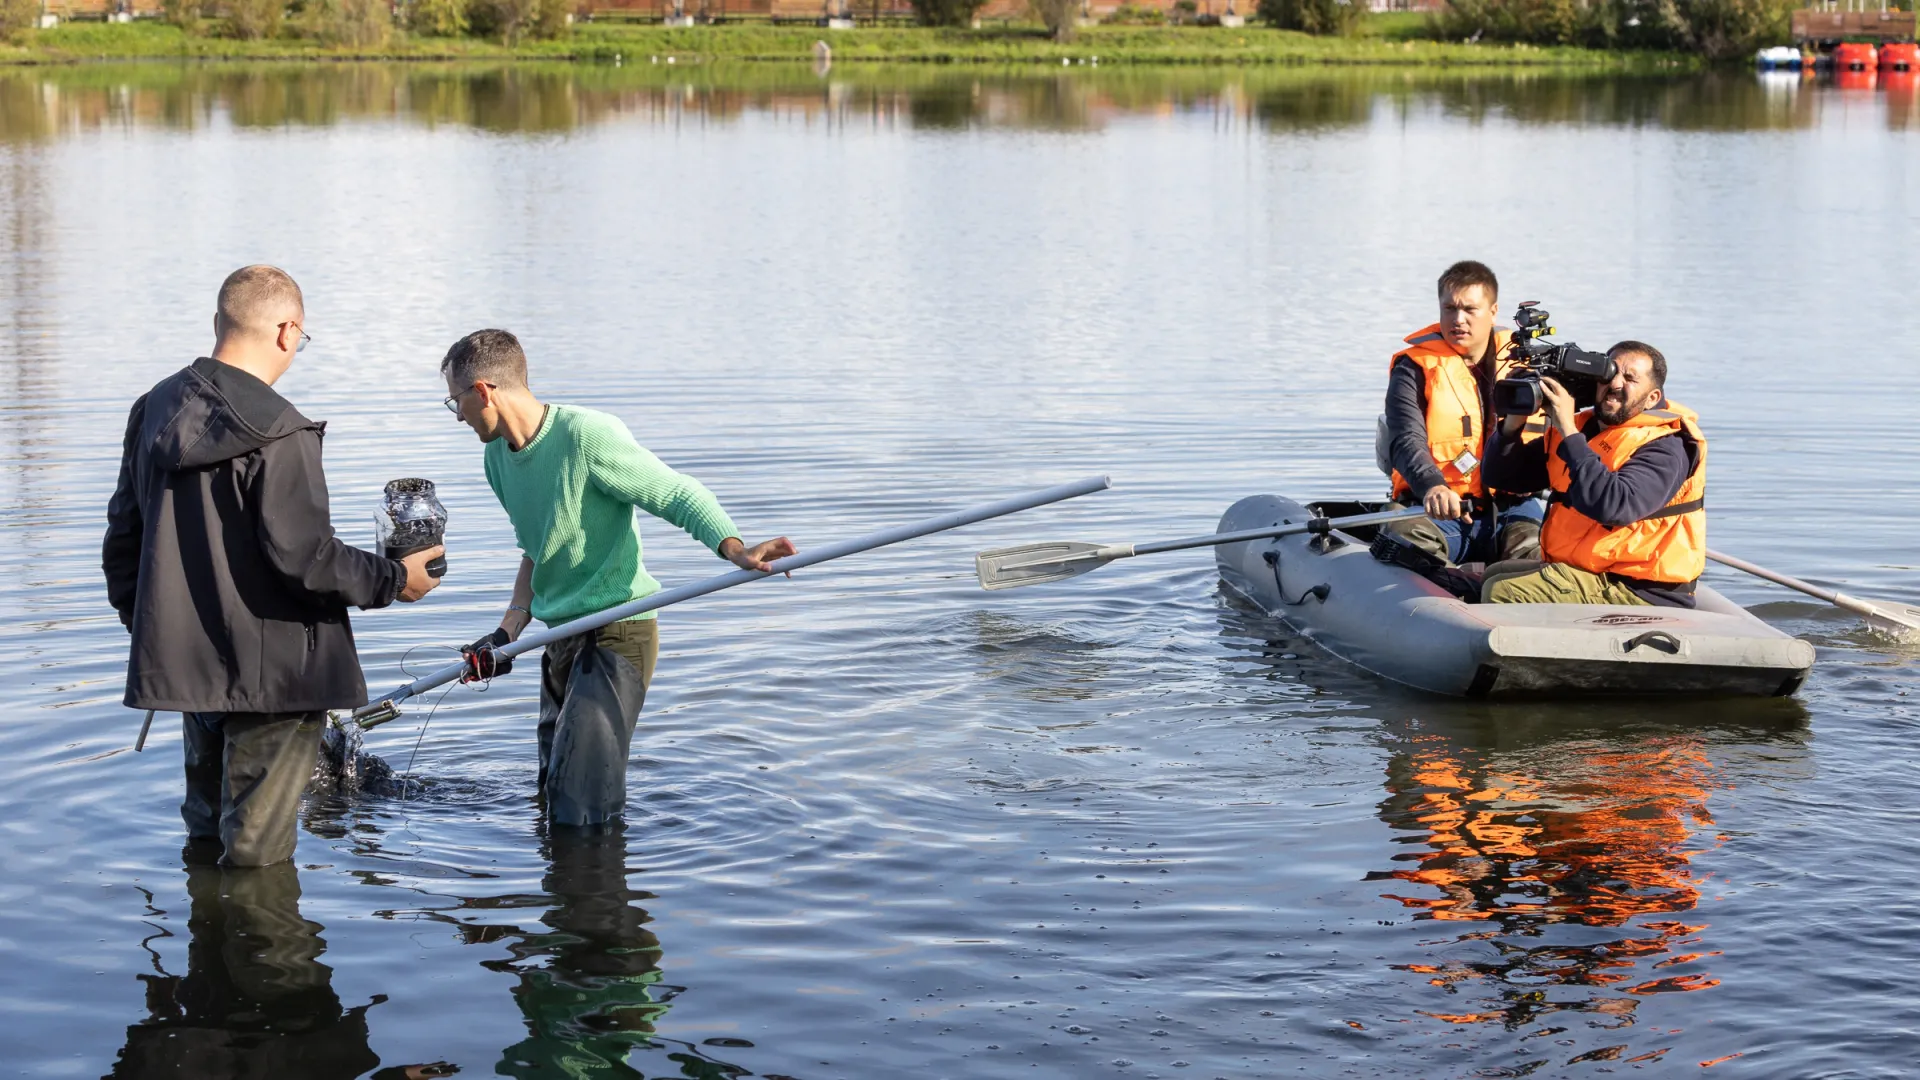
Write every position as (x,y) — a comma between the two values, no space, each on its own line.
(385,709)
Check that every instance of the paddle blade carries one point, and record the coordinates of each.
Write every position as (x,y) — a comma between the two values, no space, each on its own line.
(1900,622)
(1036,564)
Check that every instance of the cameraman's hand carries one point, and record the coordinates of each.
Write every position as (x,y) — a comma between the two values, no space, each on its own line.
(1442,504)
(1560,410)
(419,582)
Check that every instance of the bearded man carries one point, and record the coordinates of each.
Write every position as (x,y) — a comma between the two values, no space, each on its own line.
(1627,523)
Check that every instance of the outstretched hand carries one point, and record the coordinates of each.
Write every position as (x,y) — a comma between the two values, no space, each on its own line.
(758,557)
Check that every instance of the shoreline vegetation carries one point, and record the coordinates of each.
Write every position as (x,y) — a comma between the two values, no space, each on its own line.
(1399,40)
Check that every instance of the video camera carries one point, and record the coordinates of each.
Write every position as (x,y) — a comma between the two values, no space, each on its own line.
(1573,367)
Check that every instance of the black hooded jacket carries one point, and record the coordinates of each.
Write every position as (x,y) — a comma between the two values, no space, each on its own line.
(220,555)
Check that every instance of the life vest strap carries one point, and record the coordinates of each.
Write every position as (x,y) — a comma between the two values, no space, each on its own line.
(1559,498)
(1678,509)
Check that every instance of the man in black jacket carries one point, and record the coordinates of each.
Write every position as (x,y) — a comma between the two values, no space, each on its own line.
(221,560)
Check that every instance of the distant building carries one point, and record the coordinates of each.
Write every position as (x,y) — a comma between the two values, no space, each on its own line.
(1821,25)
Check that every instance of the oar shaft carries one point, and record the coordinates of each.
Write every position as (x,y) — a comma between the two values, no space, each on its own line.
(1312,525)
(1795,583)
(812,557)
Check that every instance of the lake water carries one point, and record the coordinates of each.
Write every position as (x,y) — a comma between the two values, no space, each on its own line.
(887,824)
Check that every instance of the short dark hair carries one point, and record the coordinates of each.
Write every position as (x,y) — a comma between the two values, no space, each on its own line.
(1465,274)
(489,356)
(1648,351)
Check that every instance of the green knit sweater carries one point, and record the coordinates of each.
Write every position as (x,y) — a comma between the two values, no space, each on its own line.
(570,493)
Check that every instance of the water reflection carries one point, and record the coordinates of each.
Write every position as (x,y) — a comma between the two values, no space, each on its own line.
(587,977)
(546,98)
(256,1001)
(1561,849)
(587,981)
(1036,661)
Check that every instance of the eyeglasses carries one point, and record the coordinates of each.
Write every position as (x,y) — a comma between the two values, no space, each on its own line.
(453,403)
(306,339)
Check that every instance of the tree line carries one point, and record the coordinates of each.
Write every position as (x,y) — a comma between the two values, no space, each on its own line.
(1717,29)
(354,23)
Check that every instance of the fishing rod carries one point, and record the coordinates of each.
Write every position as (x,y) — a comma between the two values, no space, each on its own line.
(387,708)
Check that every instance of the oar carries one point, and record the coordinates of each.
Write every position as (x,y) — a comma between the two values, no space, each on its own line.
(387,708)
(1035,564)
(1887,616)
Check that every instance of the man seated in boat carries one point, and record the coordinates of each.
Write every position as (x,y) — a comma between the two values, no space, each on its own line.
(570,479)
(1627,523)
(1436,421)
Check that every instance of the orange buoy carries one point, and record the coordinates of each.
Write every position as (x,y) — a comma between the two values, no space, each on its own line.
(1900,56)
(1855,56)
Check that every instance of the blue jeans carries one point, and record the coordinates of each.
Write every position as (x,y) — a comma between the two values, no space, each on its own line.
(1479,541)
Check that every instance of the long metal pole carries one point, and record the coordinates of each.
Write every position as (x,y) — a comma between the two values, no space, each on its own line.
(380,711)
(1887,616)
(1777,578)
(1312,525)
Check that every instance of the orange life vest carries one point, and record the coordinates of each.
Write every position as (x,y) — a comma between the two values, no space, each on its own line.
(1668,546)
(1456,417)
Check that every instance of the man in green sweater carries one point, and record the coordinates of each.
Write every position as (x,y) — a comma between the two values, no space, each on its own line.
(569,479)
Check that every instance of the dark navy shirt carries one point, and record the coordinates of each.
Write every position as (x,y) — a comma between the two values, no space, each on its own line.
(1642,485)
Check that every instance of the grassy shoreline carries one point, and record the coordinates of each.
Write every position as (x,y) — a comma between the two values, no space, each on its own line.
(1391,42)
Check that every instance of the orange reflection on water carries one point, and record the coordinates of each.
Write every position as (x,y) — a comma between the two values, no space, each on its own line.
(1596,834)
(1599,848)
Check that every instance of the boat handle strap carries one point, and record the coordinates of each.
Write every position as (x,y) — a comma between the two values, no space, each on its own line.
(1655,639)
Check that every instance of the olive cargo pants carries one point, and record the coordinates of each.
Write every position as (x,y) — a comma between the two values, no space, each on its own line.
(592,688)
(1530,581)
(245,775)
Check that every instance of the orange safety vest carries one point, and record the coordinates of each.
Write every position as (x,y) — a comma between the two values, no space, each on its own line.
(1668,546)
(1456,417)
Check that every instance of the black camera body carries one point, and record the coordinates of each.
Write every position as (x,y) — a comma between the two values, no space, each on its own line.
(1573,367)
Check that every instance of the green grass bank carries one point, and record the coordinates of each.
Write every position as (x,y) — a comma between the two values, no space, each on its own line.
(1399,42)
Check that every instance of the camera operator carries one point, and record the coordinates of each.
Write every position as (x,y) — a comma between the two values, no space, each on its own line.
(1627,522)
(1435,428)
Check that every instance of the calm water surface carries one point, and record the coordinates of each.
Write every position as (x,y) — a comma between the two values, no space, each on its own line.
(886,824)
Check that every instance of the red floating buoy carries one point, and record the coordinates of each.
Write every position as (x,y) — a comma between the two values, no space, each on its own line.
(1855,56)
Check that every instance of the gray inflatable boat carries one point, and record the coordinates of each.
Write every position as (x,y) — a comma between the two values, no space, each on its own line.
(1399,625)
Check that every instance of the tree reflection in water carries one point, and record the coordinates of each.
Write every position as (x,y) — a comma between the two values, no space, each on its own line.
(1522,826)
(48,103)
